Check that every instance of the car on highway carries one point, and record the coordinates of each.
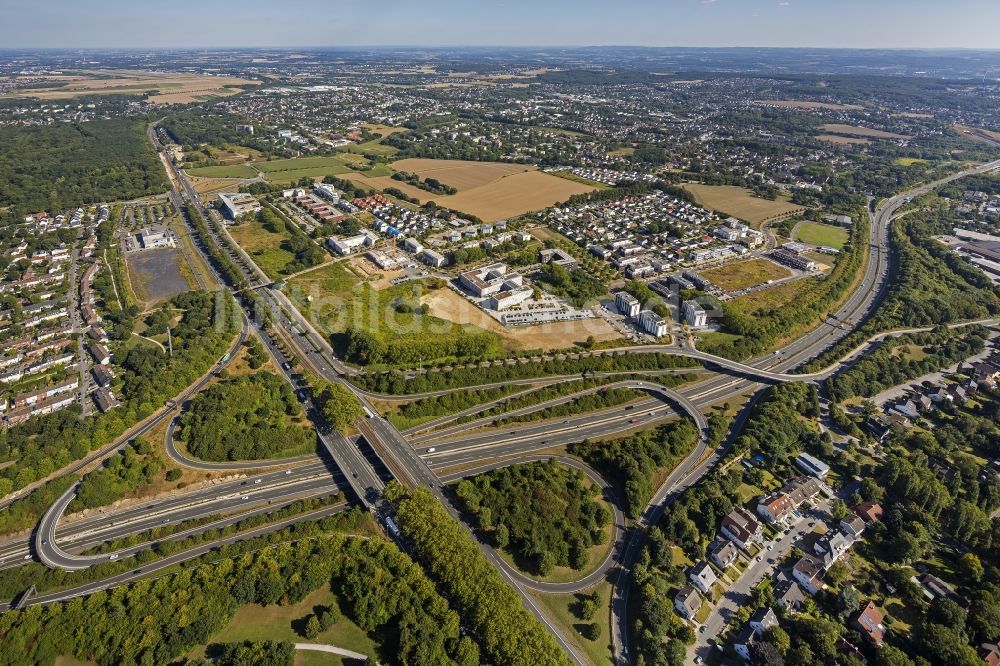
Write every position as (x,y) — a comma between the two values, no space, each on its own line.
(256,481)
(431,450)
(27,557)
(245,497)
(634,421)
(113,556)
(287,472)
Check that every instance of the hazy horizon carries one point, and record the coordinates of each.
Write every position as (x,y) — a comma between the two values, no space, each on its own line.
(851,24)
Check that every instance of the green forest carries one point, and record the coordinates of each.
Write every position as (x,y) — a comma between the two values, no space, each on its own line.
(158,620)
(542,514)
(66,165)
(630,462)
(492,611)
(245,418)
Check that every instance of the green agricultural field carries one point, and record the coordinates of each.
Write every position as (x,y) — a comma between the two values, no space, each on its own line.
(823,235)
(224,171)
(263,246)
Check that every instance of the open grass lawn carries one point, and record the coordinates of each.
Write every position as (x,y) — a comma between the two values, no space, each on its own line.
(334,299)
(909,161)
(824,235)
(373,147)
(258,623)
(263,246)
(559,607)
(292,169)
(740,202)
(223,171)
(743,274)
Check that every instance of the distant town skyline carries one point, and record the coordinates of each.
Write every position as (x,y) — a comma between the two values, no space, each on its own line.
(708,23)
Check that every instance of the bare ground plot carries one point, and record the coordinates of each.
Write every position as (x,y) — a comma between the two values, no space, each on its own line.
(743,274)
(741,202)
(853,130)
(446,304)
(843,140)
(212,185)
(803,104)
(155,275)
(460,174)
(170,88)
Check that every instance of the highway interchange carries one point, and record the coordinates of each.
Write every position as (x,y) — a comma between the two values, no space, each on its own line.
(361,467)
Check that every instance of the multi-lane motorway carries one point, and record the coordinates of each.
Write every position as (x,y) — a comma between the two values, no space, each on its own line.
(419,466)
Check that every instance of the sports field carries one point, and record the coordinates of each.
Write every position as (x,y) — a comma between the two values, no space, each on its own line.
(168,88)
(743,274)
(823,235)
(853,130)
(740,202)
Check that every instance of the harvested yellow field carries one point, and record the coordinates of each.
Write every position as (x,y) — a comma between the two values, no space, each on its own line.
(807,105)
(446,304)
(853,130)
(383,182)
(460,174)
(213,185)
(740,202)
(170,88)
(842,140)
(513,195)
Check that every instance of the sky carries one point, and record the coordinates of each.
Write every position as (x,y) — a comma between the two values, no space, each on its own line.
(224,23)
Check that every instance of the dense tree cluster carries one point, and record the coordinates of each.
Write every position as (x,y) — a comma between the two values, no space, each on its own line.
(398,384)
(155,621)
(432,185)
(885,367)
(574,284)
(692,520)
(245,418)
(367,347)
(541,513)
(63,165)
(340,407)
(776,429)
(507,633)
(121,473)
(630,462)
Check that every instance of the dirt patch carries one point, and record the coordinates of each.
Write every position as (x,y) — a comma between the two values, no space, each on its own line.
(155,275)
(853,130)
(446,304)
(843,140)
